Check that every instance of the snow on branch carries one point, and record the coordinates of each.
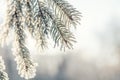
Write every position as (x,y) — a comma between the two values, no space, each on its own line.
(43,19)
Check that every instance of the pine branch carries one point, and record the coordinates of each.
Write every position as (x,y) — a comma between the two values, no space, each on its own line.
(42,20)
(41,24)
(4,32)
(59,32)
(65,12)
(28,14)
(25,66)
(3,74)
(40,13)
(61,35)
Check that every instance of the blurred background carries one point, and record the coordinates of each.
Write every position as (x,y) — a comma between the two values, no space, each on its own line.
(96,55)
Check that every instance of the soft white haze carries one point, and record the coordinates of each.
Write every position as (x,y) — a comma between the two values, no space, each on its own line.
(96,17)
(97,37)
